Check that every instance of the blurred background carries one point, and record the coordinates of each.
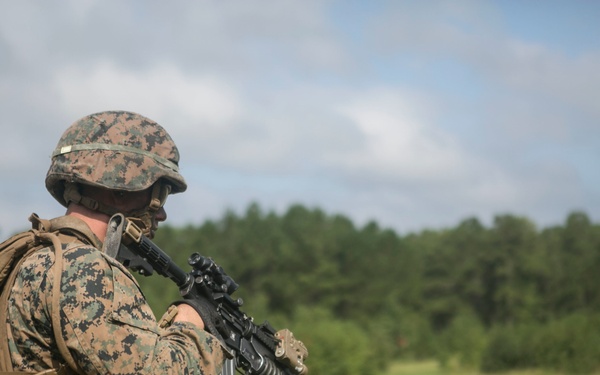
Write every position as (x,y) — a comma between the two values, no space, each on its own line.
(402,171)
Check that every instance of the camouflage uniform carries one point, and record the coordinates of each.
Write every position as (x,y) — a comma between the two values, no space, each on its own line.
(105,320)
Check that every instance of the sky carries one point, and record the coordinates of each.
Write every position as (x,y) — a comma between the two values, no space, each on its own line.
(412,114)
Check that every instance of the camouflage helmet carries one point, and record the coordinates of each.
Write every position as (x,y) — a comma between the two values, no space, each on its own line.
(115,150)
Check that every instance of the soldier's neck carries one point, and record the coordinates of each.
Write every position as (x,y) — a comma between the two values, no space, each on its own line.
(98,222)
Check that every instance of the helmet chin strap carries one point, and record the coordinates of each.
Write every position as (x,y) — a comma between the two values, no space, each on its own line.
(72,195)
(143,218)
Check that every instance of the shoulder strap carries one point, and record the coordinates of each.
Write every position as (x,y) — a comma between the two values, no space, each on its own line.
(72,226)
(56,327)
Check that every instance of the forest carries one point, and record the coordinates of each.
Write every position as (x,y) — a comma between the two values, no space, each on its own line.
(493,298)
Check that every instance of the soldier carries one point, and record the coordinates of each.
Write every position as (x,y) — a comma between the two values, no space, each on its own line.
(99,322)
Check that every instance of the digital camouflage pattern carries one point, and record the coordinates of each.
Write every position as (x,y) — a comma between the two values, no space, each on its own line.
(105,320)
(115,150)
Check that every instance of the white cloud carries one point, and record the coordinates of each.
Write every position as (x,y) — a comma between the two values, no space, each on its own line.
(399,142)
(155,92)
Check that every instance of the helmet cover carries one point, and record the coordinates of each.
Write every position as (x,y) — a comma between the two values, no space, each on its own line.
(115,150)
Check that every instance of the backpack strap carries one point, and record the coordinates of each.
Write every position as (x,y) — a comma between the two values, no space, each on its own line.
(39,224)
(58,268)
(58,231)
(71,226)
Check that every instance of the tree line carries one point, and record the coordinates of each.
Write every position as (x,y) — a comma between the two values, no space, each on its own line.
(495,298)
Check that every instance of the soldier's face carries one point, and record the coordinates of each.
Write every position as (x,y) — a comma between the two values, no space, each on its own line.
(149,204)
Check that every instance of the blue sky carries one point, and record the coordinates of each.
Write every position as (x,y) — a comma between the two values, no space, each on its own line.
(570,26)
(415,114)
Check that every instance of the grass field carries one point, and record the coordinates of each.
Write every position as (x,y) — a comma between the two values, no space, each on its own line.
(432,368)
(419,368)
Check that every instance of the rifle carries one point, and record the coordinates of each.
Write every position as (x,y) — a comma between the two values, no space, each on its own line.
(255,349)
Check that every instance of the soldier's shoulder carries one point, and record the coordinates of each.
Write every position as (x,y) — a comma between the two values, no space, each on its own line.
(42,260)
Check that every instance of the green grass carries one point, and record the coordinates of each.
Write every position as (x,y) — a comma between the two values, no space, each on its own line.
(433,368)
(414,368)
